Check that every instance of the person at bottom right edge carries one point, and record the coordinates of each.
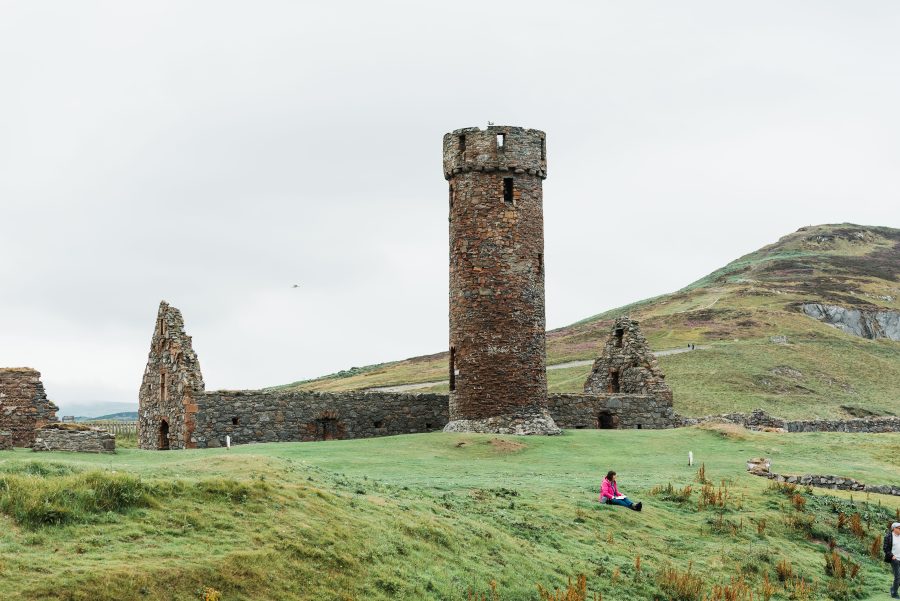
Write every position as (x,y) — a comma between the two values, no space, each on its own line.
(892,556)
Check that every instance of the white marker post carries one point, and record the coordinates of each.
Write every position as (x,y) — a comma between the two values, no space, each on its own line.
(227,441)
(690,458)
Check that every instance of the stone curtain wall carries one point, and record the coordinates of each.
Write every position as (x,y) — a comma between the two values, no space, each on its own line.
(627,365)
(63,437)
(498,376)
(586,411)
(172,383)
(24,406)
(265,416)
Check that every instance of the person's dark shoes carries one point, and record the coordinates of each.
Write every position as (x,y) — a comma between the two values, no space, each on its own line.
(638,506)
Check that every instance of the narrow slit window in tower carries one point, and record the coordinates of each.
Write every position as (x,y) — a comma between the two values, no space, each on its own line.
(613,381)
(501,141)
(451,197)
(462,144)
(619,333)
(163,396)
(235,421)
(507,189)
(452,368)
(543,149)
(540,263)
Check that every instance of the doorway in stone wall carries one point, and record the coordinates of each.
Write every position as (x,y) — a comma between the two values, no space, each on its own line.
(608,421)
(163,444)
(327,428)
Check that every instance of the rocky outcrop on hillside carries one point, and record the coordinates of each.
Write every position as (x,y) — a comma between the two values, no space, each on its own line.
(871,324)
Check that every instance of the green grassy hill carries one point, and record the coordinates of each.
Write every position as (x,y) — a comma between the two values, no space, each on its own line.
(820,372)
(441,516)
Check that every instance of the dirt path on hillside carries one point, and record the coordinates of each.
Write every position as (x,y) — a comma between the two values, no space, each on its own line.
(567,364)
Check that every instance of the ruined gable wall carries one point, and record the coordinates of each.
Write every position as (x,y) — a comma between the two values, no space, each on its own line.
(269,416)
(171,386)
(24,405)
(627,365)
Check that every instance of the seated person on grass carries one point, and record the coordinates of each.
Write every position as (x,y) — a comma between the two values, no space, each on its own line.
(609,493)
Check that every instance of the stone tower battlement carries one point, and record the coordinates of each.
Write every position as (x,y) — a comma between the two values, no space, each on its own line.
(498,378)
(497,148)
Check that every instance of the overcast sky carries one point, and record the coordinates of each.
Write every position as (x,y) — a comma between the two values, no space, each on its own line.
(213,154)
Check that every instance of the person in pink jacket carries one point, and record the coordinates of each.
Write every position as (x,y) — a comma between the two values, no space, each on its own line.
(609,493)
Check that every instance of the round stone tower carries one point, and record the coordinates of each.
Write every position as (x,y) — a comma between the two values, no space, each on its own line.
(498,377)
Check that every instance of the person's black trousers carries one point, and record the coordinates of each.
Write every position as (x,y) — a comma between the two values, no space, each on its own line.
(896,565)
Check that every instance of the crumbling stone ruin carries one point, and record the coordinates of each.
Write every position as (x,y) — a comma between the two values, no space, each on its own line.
(498,378)
(627,365)
(24,405)
(76,438)
(167,401)
(193,418)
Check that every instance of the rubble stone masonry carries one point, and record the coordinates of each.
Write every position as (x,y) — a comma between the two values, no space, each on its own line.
(627,365)
(74,438)
(498,380)
(171,386)
(24,405)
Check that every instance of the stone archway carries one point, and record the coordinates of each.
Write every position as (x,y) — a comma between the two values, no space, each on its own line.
(163,443)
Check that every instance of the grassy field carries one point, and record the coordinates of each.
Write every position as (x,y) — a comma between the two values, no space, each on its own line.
(737,310)
(440,516)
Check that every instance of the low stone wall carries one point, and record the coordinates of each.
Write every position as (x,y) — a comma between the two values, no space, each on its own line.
(760,420)
(832,482)
(870,425)
(755,420)
(69,437)
(266,416)
(6,441)
(608,411)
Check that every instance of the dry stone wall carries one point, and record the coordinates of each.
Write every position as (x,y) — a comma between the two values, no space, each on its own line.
(760,420)
(172,383)
(627,365)
(265,416)
(65,437)
(24,405)
(762,467)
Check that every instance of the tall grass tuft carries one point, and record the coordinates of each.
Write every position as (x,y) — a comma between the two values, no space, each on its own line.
(680,586)
(35,501)
(575,591)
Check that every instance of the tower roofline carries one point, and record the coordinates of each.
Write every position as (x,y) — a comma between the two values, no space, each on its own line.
(507,148)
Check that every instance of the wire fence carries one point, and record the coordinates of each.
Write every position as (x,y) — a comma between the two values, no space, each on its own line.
(119,428)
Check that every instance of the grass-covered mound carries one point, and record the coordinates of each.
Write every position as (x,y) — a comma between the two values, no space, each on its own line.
(441,516)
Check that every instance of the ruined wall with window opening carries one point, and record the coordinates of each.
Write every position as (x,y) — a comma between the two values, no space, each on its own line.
(171,386)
